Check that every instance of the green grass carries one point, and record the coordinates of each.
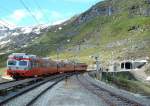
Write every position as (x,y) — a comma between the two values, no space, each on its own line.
(147,71)
(128,82)
(2,70)
(99,31)
(3,59)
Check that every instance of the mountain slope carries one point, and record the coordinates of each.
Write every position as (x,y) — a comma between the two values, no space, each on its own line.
(112,29)
(18,37)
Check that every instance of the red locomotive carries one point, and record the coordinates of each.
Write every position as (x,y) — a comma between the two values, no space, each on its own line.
(24,65)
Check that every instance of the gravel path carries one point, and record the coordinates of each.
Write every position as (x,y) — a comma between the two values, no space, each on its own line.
(69,93)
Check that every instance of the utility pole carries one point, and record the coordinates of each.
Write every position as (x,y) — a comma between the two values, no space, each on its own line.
(57,53)
(79,50)
(98,71)
(112,63)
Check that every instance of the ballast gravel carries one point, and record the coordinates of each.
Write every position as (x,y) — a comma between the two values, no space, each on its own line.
(22,100)
(69,93)
(123,93)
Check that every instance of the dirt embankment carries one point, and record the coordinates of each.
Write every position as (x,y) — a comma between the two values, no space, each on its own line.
(142,74)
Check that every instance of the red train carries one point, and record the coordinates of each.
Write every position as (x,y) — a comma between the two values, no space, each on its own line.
(22,65)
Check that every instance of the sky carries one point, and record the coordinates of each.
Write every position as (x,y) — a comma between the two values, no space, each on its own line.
(34,12)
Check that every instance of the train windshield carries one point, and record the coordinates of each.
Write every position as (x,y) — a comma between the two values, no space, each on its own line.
(12,63)
(22,63)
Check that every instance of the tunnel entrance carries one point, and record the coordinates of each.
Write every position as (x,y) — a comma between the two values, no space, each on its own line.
(128,65)
(122,65)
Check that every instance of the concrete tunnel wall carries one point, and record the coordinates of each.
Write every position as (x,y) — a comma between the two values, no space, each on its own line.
(132,65)
(127,65)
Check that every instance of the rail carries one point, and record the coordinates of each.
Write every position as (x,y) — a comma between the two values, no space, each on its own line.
(108,97)
(25,88)
(10,84)
(49,87)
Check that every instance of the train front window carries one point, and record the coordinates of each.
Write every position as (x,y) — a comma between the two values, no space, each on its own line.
(12,63)
(22,63)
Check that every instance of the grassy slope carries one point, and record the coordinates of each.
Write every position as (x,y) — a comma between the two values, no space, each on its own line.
(96,34)
(126,81)
(113,30)
(2,71)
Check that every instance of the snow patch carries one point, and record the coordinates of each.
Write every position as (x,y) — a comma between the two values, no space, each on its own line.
(43,26)
(26,30)
(2,53)
(4,42)
(25,45)
(15,34)
(148,78)
(1,37)
(37,31)
(60,28)
(58,22)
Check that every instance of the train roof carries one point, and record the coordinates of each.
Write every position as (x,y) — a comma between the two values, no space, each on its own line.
(19,54)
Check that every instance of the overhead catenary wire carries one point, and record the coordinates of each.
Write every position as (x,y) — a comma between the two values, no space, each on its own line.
(4,23)
(30,12)
(40,9)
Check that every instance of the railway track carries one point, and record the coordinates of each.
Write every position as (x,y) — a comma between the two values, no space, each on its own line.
(108,97)
(31,102)
(13,89)
(7,82)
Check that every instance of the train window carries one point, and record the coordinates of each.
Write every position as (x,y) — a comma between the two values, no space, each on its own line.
(18,56)
(22,63)
(12,62)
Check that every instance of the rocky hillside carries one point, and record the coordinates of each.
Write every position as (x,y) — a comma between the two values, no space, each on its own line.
(111,29)
(18,37)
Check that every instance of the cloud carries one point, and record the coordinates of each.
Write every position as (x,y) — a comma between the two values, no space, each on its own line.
(22,17)
(38,14)
(55,17)
(18,15)
(21,14)
(55,14)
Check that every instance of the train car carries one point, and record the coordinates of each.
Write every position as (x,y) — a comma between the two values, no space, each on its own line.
(22,65)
